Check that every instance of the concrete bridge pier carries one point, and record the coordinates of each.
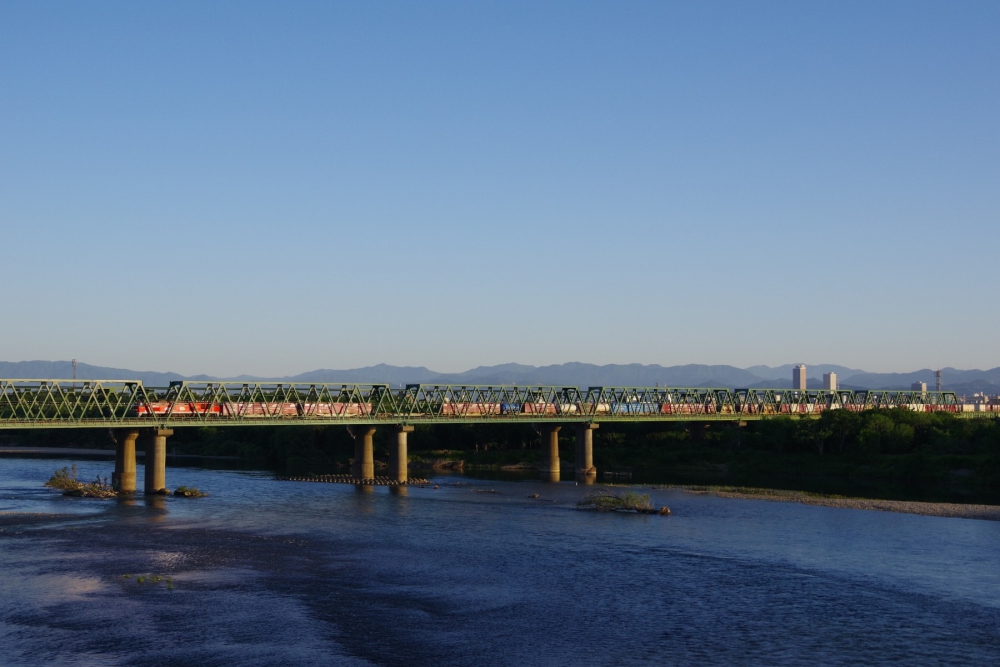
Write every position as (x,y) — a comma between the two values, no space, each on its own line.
(585,470)
(548,467)
(364,454)
(398,456)
(123,478)
(156,460)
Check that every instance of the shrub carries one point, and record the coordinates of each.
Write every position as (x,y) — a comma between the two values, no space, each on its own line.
(64,479)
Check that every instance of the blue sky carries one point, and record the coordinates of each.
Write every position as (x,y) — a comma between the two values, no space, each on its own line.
(275,187)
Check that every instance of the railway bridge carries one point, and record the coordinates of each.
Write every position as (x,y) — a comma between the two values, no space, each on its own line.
(130,409)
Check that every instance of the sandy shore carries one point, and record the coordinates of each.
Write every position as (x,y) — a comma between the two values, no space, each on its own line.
(956,510)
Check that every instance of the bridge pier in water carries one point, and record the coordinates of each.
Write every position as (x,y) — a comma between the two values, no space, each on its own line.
(548,466)
(585,470)
(123,478)
(156,460)
(364,454)
(398,456)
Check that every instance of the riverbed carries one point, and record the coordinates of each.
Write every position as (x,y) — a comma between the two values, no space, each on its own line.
(266,572)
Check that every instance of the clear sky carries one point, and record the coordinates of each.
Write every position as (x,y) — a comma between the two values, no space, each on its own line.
(270,188)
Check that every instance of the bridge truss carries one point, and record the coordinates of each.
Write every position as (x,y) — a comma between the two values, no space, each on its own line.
(32,403)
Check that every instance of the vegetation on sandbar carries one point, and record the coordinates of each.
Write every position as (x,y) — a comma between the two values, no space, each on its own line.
(628,501)
(65,480)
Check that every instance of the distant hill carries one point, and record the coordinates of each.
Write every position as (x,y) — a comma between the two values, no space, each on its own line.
(38,370)
(573,374)
(974,387)
(577,374)
(379,373)
(951,377)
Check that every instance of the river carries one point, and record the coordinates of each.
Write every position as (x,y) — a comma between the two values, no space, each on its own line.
(477,572)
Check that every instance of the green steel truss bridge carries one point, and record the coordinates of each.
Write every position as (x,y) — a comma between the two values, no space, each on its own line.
(33,403)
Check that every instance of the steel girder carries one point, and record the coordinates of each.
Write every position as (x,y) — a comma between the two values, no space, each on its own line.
(127,403)
(796,401)
(253,402)
(26,402)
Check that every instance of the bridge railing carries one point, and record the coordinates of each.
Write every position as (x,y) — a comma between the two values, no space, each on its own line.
(798,401)
(255,401)
(417,401)
(118,402)
(114,402)
(33,400)
(659,400)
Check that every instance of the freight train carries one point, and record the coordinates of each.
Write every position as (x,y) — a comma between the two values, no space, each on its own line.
(244,410)
(446,408)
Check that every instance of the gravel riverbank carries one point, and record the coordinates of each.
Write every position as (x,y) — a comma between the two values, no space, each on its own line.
(955,510)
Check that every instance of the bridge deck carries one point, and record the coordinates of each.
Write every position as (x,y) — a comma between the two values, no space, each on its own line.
(45,403)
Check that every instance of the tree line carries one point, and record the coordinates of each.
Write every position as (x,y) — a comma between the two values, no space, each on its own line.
(917,447)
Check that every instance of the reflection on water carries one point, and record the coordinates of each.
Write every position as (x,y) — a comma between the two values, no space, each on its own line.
(156,506)
(267,572)
(127,500)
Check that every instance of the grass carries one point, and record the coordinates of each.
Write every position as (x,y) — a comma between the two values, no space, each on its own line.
(627,501)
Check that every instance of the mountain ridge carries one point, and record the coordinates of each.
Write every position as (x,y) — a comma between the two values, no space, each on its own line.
(567,374)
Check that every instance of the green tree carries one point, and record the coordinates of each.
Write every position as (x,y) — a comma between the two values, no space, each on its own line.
(877,428)
(844,426)
(816,433)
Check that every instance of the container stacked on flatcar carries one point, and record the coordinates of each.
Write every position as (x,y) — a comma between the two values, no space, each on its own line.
(250,410)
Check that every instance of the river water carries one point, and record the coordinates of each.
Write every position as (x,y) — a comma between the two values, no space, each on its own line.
(479,573)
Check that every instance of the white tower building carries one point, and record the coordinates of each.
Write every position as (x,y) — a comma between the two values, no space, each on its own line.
(799,377)
(830,381)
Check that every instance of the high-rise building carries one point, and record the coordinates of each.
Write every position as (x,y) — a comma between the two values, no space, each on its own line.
(830,381)
(799,377)
(918,386)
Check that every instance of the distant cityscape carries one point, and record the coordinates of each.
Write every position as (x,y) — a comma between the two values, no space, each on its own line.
(969,385)
(974,402)
(800,380)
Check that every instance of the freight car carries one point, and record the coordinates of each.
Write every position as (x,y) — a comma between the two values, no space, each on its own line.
(180,409)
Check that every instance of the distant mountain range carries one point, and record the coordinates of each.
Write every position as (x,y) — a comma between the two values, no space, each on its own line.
(572,374)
